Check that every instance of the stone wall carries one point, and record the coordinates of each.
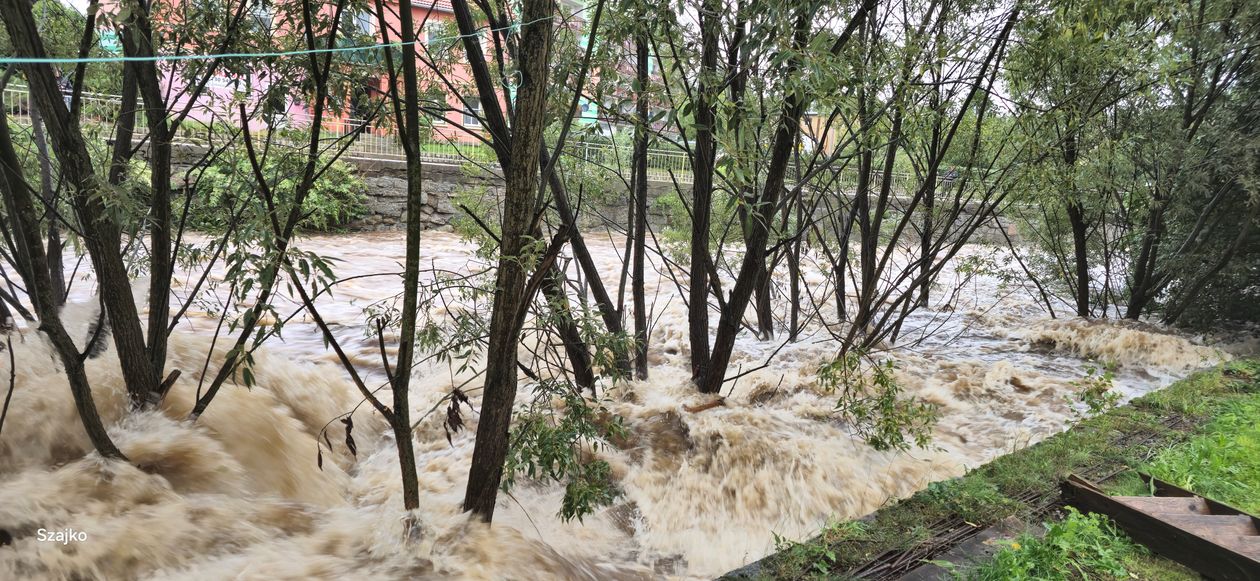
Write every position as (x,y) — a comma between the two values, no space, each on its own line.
(387,195)
(386,183)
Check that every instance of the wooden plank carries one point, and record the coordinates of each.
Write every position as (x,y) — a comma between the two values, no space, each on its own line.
(1246,545)
(1159,504)
(1211,525)
(1208,558)
(1167,489)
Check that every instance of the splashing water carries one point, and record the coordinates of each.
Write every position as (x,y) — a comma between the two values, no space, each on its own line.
(239,494)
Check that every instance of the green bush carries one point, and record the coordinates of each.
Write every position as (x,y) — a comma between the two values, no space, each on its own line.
(229,189)
(872,404)
(557,438)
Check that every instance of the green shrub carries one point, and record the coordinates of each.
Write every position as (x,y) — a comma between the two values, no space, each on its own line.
(1097,389)
(557,438)
(873,405)
(228,189)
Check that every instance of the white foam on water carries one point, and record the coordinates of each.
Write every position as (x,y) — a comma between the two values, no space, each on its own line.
(238,494)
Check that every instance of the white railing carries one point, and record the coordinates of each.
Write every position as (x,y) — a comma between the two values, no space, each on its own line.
(362,140)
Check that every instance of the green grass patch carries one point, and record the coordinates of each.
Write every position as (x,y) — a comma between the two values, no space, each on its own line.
(1222,462)
(1128,437)
(1081,546)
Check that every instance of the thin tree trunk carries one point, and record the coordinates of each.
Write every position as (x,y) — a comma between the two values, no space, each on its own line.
(137,41)
(737,64)
(794,273)
(752,268)
(1080,249)
(929,197)
(637,291)
(609,312)
(574,345)
(1080,234)
(400,419)
(56,264)
(319,72)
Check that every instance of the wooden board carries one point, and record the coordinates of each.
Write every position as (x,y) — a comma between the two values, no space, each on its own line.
(1211,559)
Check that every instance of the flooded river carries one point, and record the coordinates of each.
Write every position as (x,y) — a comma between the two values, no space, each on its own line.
(240,494)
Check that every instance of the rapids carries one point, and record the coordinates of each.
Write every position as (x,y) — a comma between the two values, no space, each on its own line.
(238,494)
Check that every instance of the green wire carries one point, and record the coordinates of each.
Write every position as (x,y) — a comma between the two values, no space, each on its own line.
(259,55)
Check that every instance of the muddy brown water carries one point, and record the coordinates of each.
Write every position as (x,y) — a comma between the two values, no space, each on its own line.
(239,493)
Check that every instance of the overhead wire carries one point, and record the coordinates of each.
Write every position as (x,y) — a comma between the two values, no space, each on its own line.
(256,55)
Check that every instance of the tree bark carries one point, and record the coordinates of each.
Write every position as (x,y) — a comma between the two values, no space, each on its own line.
(929,196)
(574,346)
(521,183)
(1080,233)
(609,312)
(56,265)
(702,192)
(400,419)
(137,41)
(640,206)
(1080,250)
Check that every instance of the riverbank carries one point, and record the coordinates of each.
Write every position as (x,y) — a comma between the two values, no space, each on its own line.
(1178,433)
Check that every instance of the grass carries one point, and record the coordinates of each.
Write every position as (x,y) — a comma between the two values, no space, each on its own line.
(1080,546)
(1218,456)
(1222,463)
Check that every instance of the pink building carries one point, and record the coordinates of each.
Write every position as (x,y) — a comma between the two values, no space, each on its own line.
(272,88)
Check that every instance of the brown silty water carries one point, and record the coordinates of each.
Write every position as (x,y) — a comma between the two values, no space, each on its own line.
(238,494)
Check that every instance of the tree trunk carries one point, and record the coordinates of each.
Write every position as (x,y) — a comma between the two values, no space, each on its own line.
(574,345)
(640,207)
(1080,229)
(1080,233)
(764,309)
(520,177)
(702,192)
(22,207)
(929,196)
(752,268)
(56,265)
(794,274)
(609,312)
(138,42)
(401,381)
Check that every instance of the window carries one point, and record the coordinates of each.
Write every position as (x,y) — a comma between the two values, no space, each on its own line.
(262,15)
(363,23)
(472,116)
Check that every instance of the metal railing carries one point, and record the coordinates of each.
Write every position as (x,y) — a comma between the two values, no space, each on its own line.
(364,140)
(361,139)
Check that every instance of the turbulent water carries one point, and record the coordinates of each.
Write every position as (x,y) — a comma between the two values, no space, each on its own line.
(238,494)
